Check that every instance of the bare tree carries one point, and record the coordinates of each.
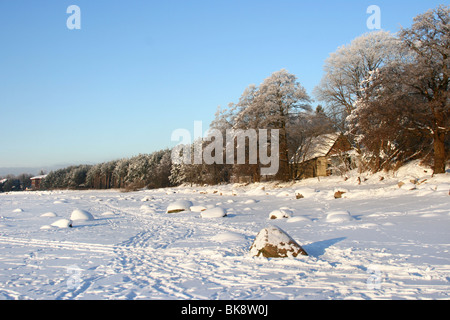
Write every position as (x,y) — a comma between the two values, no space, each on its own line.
(270,106)
(404,112)
(428,75)
(347,68)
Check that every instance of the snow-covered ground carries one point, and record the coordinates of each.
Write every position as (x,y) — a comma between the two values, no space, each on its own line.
(379,241)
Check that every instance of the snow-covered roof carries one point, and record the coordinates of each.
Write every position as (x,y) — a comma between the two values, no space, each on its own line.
(318,147)
(38,177)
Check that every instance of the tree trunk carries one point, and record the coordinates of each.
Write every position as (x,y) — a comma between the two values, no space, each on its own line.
(440,155)
(283,171)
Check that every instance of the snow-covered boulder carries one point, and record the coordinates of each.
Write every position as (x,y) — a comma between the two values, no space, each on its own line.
(147,209)
(49,215)
(79,214)
(62,223)
(179,206)
(339,216)
(197,208)
(408,183)
(279,214)
(272,242)
(304,193)
(299,219)
(216,212)
(283,194)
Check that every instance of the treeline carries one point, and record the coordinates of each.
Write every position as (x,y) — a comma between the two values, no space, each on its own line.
(387,94)
(11,182)
(145,170)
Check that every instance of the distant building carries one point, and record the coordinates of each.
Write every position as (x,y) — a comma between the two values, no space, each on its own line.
(36,182)
(321,156)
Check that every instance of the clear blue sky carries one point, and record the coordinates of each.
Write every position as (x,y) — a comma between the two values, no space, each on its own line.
(139,69)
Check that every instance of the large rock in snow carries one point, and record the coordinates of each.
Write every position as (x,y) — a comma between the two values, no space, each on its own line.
(216,212)
(280,214)
(304,193)
(62,223)
(179,206)
(79,214)
(272,242)
(339,216)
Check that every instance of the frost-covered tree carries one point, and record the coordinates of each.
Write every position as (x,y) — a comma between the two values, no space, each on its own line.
(120,172)
(428,75)
(384,122)
(270,106)
(346,69)
(404,109)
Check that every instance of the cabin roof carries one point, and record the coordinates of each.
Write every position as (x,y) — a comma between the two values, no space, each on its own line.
(319,146)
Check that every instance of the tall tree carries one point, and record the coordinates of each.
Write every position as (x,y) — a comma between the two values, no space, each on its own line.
(428,75)
(270,106)
(404,111)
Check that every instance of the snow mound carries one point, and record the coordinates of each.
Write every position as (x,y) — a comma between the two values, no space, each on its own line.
(79,214)
(339,216)
(197,208)
(283,194)
(62,223)
(249,201)
(18,210)
(49,214)
(216,212)
(179,206)
(408,184)
(272,242)
(228,237)
(304,193)
(280,214)
(257,191)
(147,209)
(299,219)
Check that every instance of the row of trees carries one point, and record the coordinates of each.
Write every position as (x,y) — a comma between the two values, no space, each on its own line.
(145,170)
(15,183)
(387,93)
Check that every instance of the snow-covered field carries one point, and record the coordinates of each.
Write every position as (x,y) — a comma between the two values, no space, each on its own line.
(378,241)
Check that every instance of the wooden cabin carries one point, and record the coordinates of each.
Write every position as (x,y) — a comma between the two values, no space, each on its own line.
(320,156)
